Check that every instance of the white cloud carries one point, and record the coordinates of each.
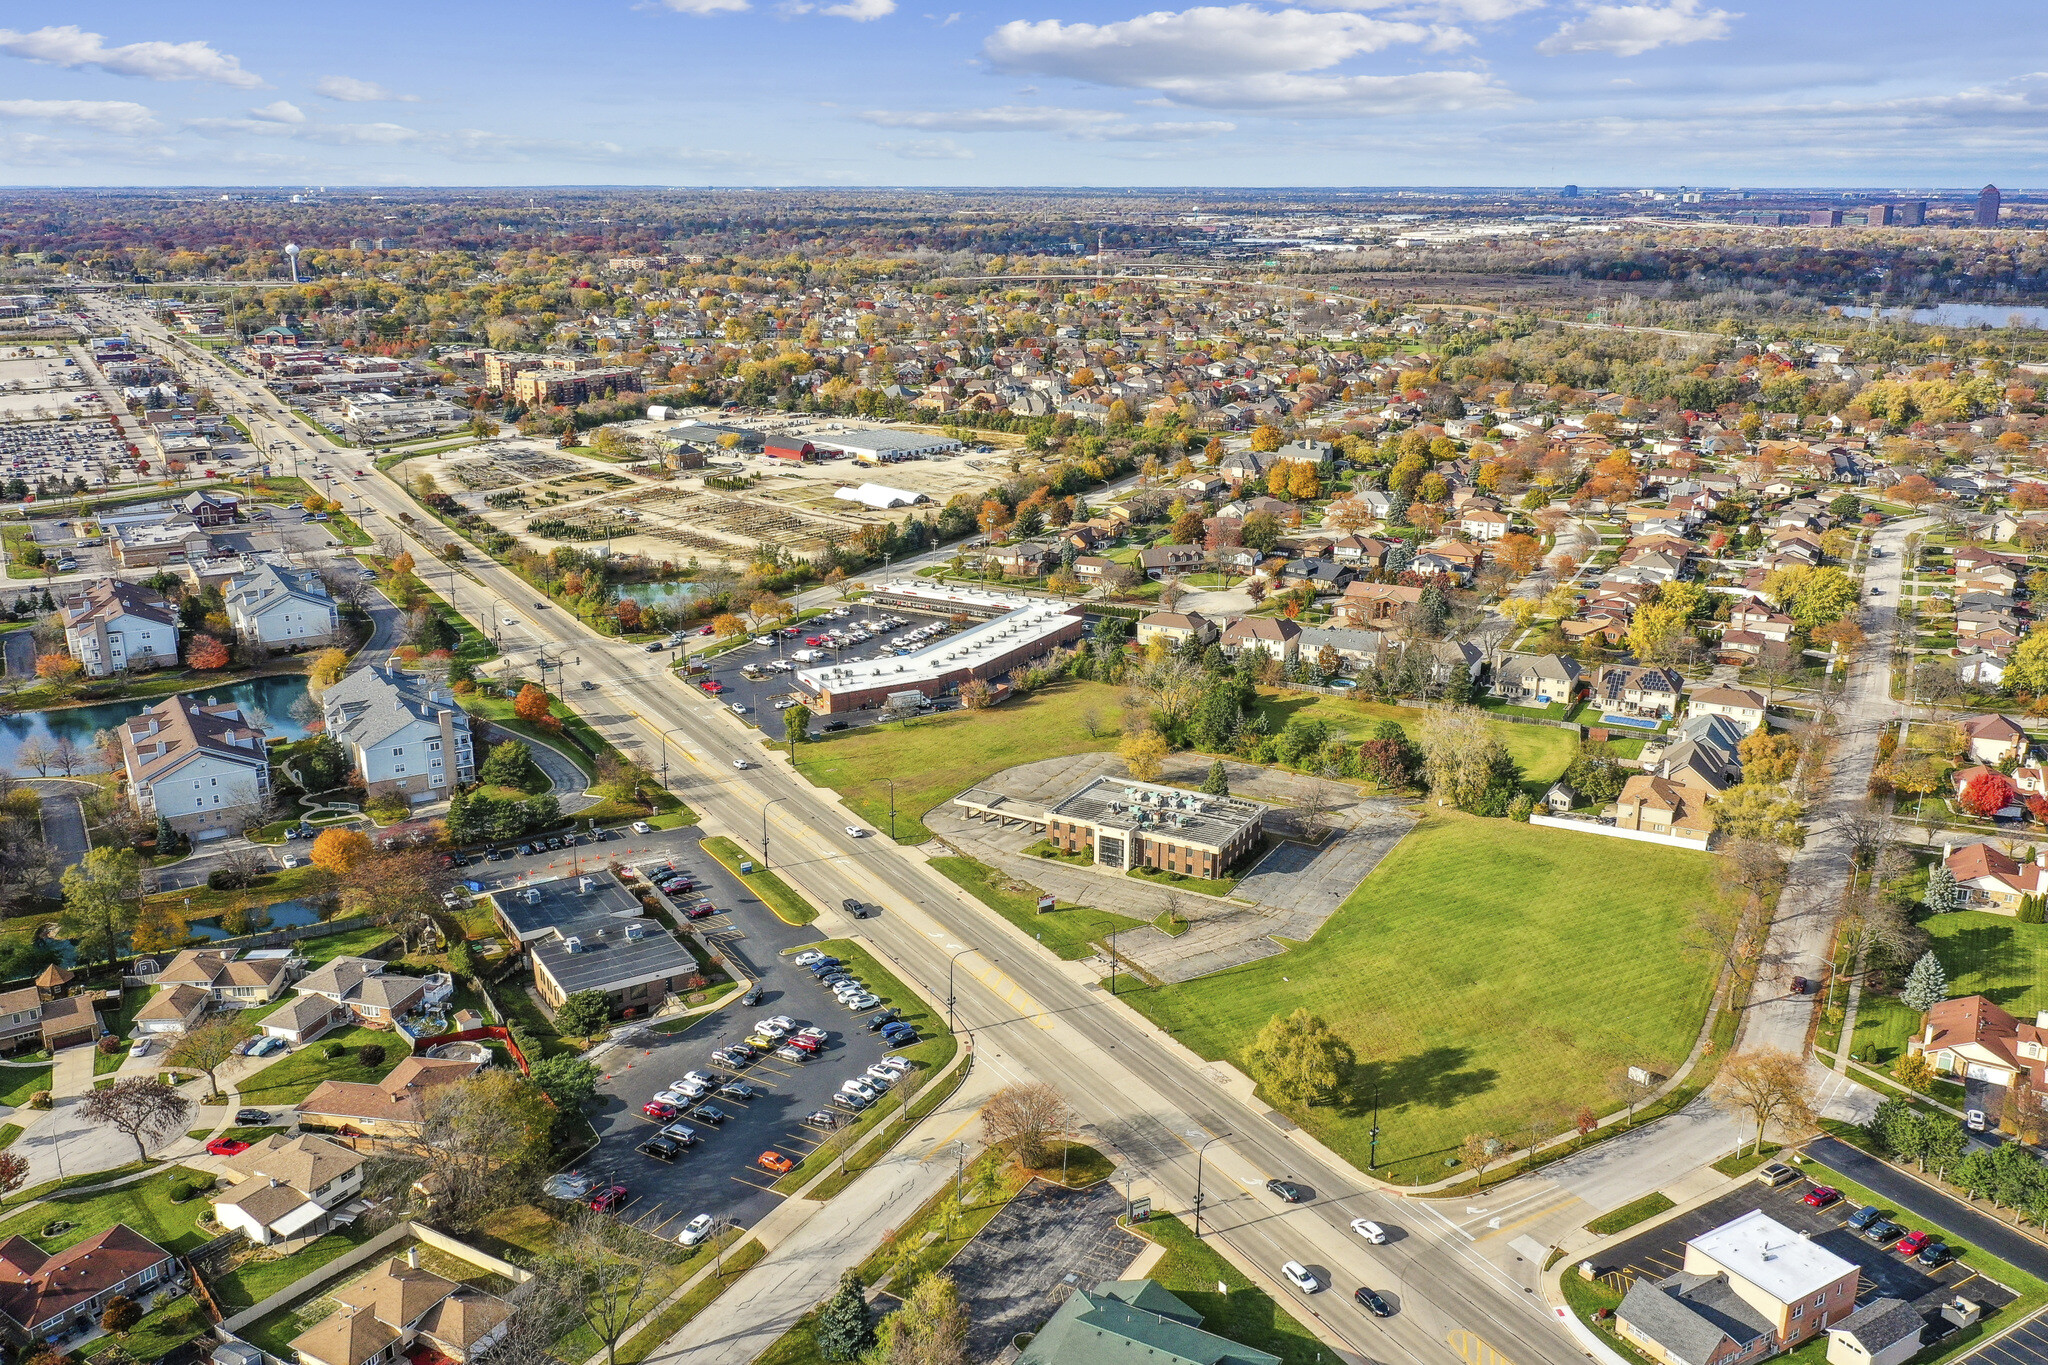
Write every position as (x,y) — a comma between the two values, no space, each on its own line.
(115,116)
(928,149)
(349,90)
(707,6)
(1441,11)
(70,46)
(279,111)
(1205,45)
(861,11)
(1631,30)
(1084,125)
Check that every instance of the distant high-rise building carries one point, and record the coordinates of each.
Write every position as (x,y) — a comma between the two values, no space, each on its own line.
(1824,218)
(1568,192)
(1881,215)
(1913,213)
(1988,200)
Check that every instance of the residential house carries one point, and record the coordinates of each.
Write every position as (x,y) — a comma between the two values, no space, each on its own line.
(42,1016)
(46,1295)
(200,766)
(1451,657)
(386,1108)
(289,1189)
(232,983)
(1972,1038)
(1992,880)
(1993,739)
(1360,551)
(1355,648)
(1278,637)
(1885,1331)
(362,987)
(174,1009)
(402,1312)
(1484,523)
(1025,559)
(405,734)
(1091,569)
(1451,557)
(1323,575)
(1738,704)
(1701,754)
(303,1018)
(1375,604)
(115,625)
(1535,679)
(1756,618)
(1134,1320)
(273,608)
(1746,1291)
(1175,627)
(1981,669)
(1161,561)
(1609,626)
(1637,690)
(21,1018)
(210,507)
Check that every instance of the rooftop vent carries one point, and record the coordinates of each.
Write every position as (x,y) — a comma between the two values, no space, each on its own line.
(586,885)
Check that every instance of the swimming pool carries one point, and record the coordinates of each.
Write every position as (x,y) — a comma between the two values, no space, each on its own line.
(1632,722)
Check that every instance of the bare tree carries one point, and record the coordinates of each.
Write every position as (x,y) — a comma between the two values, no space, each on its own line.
(143,1107)
(1632,1085)
(1769,1086)
(206,1045)
(1026,1115)
(65,755)
(35,752)
(610,1281)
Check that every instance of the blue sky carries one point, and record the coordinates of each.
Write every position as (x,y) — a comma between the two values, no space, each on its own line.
(1037,92)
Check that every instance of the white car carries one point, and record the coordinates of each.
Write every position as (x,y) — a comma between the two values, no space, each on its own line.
(856,831)
(642,827)
(688,1090)
(858,1003)
(289,861)
(768,1028)
(701,1077)
(782,704)
(674,1097)
(783,1021)
(1369,1230)
(739,708)
(885,1075)
(1299,1276)
(895,1065)
(741,764)
(859,1087)
(698,1229)
(807,957)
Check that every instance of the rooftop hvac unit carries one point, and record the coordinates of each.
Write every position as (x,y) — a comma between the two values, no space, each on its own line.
(573,943)
(636,931)
(586,885)
(533,895)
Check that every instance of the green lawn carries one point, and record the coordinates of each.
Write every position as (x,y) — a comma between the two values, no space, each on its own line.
(257,1279)
(1630,1214)
(775,893)
(17,1083)
(1467,925)
(291,1080)
(1990,955)
(937,757)
(1068,930)
(159,1333)
(144,1205)
(1244,1313)
(1544,751)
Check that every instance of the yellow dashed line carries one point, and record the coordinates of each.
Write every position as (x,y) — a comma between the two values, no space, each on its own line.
(1474,1351)
(1013,995)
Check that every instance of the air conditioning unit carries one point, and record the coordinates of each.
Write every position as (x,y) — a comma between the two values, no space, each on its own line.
(573,943)
(585,885)
(533,895)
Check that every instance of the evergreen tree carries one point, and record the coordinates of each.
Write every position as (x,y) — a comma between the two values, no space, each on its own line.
(1431,610)
(1217,783)
(1926,984)
(844,1330)
(1943,895)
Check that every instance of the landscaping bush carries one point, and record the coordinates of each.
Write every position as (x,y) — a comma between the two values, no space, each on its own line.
(181,1191)
(334,1051)
(371,1054)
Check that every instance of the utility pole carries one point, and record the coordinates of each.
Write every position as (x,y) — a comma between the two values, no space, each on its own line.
(1372,1160)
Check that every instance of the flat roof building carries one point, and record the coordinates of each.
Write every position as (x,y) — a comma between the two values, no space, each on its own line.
(884,446)
(987,651)
(590,933)
(1128,824)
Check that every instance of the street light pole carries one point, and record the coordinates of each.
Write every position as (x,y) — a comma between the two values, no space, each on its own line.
(664,752)
(1372,1160)
(1198,1182)
(892,808)
(764,831)
(1112,962)
(952,1019)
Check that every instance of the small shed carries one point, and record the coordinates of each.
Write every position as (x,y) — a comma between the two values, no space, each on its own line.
(1881,1332)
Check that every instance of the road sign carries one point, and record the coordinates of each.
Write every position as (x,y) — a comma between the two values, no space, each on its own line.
(1046,904)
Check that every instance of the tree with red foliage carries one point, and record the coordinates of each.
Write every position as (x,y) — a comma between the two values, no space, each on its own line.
(531,705)
(205,652)
(628,612)
(1987,793)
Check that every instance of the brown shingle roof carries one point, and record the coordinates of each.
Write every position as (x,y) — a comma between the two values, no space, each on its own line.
(36,1286)
(395,1098)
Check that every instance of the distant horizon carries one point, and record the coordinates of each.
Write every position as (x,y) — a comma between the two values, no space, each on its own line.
(884,187)
(881,94)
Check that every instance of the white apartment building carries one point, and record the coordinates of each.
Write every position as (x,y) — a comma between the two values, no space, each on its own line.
(278,608)
(406,734)
(114,626)
(201,767)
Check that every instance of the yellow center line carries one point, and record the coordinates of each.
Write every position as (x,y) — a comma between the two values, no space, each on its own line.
(1474,1351)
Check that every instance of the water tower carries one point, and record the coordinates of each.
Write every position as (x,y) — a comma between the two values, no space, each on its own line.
(291,253)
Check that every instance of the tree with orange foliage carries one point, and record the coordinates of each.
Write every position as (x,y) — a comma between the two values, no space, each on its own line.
(205,652)
(340,850)
(1916,490)
(628,612)
(1519,552)
(60,669)
(531,705)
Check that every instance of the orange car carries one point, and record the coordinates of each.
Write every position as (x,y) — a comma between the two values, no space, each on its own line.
(776,1162)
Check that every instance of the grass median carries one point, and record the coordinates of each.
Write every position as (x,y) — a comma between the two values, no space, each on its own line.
(775,893)
(1070,931)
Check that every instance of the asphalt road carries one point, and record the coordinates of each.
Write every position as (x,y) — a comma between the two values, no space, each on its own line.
(1028,1015)
(1925,1202)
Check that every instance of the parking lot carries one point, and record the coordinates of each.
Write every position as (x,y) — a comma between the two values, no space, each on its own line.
(1045,1243)
(720,1174)
(758,695)
(1660,1252)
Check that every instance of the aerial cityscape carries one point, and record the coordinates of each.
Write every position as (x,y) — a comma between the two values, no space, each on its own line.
(1254,685)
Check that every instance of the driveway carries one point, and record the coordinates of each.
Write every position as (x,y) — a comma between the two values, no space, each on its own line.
(568,779)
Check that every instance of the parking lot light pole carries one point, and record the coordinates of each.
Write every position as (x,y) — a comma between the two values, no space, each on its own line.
(764,831)
(664,753)
(1199,1151)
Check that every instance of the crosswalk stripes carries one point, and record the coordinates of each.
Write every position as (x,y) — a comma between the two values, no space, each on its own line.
(1475,1351)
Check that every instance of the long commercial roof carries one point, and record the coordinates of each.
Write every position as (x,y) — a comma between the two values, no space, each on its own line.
(1772,1256)
(977,647)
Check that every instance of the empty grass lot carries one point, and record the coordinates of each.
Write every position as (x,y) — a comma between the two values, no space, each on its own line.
(940,756)
(1544,751)
(1070,931)
(291,1080)
(1470,925)
(1988,955)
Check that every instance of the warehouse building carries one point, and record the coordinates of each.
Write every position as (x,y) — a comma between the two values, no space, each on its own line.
(884,446)
(986,652)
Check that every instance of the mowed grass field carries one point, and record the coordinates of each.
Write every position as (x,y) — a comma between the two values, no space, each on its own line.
(1486,971)
(1989,955)
(937,758)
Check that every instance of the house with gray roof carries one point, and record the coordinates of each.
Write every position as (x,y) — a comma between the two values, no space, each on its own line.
(274,608)
(1693,1320)
(1881,1332)
(1120,1321)
(404,733)
(1535,679)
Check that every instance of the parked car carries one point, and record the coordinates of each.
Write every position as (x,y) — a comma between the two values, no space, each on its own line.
(1820,1196)
(642,827)
(862,1001)
(1300,1277)
(851,1103)
(702,910)
(696,1230)
(1286,1189)
(709,1113)
(609,1199)
(1934,1254)
(876,1022)
(789,1052)
(226,1146)
(661,1148)
(1865,1216)
(682,1134)
(1973,1119)
(252,1118)
(1882,1231)
(821,1118)
(1775,1174)
(660,1110)
(1913,1243)
(776,1162)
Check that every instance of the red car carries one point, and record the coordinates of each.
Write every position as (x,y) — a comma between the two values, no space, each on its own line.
(658,1109)
(713,685)
(229,1147)
(707,631)
(802,1044)
(1820,1196)
(608,1200)
(812,640)
(1913,1243)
